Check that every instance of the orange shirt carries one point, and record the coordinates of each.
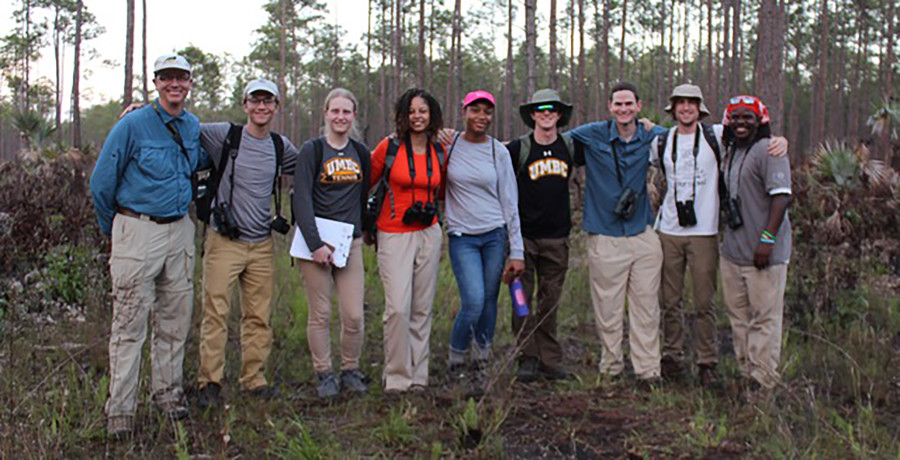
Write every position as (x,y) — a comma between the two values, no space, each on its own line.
(402,187)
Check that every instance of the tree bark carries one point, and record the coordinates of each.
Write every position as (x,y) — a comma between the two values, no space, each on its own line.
(712,84)
(76,78)
(821,76)
(725,65)
(366,100)
(420,56)
(507,132)
(282,62)
(581,107)
(57,59)
(769,58)
(596,89)
(530,47)
(399,86)
(144,77)
(129,53)
(736,41)
(622,44)
(889,52)
(605,44)
(554,58)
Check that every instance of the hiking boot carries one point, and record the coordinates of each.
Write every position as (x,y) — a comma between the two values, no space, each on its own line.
(527,371)
(554,373)
(480,380)
(327,385)
(119,427)
(650,384)
(671,369)
(174,409)
(264,392)
(210,396)
(709,378)
(354,380)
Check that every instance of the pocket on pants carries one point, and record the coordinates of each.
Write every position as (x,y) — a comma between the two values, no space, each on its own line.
(189,263)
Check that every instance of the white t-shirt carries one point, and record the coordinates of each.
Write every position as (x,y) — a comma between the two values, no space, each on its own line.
(702,173)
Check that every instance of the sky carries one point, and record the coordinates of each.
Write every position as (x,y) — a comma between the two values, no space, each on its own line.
(171,25)
(207,24)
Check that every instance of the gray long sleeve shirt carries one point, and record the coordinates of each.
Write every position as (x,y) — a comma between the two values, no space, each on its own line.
(254,172)
(482,193)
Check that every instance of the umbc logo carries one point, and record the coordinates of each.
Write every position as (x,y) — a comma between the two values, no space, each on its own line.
(548,167)
(341,170)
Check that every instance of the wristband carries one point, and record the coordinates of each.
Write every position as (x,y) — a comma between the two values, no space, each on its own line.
(766,237)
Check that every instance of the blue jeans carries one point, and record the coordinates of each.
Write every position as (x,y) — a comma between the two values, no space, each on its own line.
(477,262)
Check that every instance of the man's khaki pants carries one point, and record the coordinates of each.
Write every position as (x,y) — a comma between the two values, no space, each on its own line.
(755,300)
(226,261)
(350,284)
(408,264)
(701,254)
(152,271)
(619,266)
(548,260)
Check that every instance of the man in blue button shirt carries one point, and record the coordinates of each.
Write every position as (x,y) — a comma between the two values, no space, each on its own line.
(141,187)
(624,253)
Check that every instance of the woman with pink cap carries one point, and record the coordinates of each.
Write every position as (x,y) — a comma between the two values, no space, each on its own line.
(483,227)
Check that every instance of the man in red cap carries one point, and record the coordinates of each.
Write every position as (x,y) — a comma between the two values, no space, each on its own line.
(756,247)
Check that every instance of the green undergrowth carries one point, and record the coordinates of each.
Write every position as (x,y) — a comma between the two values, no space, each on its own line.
(840,397)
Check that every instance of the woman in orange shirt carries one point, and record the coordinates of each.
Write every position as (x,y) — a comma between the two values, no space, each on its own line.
(409,237)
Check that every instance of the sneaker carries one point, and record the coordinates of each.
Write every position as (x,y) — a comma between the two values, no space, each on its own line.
(554,373)
(709,378)
(175,409)
(265,392)
(354,380)
(650,384)
(671,369)
(327,385)
(527,371)
(119,427)
(458,373)
(480,379)
(210,396)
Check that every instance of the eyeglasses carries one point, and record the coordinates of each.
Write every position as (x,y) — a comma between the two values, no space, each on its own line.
(268,101)
(173,76)
(742,100)
(546,108)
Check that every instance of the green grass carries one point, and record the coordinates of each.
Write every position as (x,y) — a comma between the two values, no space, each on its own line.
(840,398)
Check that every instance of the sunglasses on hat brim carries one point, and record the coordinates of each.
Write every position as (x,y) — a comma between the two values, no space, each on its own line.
(742,100)
(552,108)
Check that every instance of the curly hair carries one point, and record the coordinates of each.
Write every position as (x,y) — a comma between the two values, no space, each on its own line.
(401,113)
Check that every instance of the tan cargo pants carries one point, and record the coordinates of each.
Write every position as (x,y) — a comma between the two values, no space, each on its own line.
(225,262)
(408,265)
(152,271)
(755,300)
(619,266)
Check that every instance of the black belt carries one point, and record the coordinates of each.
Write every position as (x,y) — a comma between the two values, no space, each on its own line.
(159,220)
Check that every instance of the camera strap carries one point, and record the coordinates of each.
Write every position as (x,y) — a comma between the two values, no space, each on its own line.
(176,136)
(675,163)
(615,142)
(412,166)
(731,154)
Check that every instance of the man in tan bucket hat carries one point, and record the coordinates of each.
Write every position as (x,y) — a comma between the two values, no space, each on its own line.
(690,156)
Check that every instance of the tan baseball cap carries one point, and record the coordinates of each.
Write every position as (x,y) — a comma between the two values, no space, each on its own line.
(171,61)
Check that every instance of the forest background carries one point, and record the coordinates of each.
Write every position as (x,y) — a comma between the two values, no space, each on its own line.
(825,68)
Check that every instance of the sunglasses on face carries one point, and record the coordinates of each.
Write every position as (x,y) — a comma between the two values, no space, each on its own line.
(269,101)
(172,76)
(742,100)
(546,108)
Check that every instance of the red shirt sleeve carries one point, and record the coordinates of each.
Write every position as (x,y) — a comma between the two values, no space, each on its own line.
(378,161)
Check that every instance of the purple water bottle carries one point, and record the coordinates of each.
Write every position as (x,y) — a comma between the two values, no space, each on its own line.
(517,293)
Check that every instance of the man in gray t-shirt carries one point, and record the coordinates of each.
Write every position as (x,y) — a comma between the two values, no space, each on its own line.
(757,242)
(246,184)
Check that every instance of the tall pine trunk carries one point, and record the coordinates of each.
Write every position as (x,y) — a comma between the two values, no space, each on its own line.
(622,43)
(769,58)
(420,56)
(129,53)
(145,92)
(507,132)
(530,47)
(581,107)
(554,52)
(76,78)
(821,76)
(736,43)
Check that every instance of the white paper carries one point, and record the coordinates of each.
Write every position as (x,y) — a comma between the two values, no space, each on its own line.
(338,235)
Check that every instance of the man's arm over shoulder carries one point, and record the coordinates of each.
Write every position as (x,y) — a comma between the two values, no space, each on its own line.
(291,152)
(212,136)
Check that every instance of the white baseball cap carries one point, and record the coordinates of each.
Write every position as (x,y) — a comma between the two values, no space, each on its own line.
(171,61)
(261,84)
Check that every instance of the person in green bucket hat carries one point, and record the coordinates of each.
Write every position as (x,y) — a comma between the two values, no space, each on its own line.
(542,160)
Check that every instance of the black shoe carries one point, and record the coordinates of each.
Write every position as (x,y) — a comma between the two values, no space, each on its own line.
(327,385)
(672,370)
(653,383)
(527,371)
(354,380)
(554,373)
(480,379)
(709,378)
(265,392)
(458,373)
(210,396)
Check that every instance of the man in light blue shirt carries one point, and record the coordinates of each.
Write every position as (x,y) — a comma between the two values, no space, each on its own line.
(142,185)
(624,253)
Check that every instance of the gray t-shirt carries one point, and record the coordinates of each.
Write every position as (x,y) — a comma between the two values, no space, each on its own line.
(756,176)
(254,173)
(332,190)
(482,193)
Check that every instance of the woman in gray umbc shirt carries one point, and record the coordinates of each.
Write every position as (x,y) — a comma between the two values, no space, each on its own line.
(482,218)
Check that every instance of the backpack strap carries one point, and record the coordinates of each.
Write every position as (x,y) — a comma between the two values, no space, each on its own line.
(570,144)
(384,185)
(365,160)
(710,135)
(524,152)
(278,142)
(661,143)
(231,144)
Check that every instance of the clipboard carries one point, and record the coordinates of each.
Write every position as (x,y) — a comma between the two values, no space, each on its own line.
(337,235)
